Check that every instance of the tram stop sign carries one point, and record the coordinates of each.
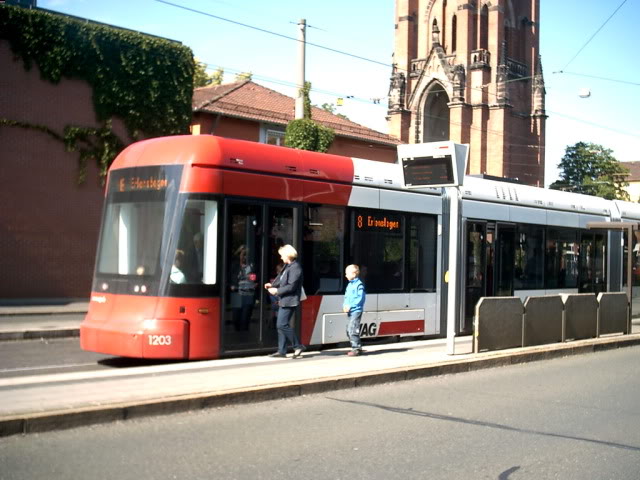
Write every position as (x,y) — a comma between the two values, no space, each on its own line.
(434,164)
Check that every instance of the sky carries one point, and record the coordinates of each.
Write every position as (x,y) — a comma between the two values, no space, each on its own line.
(579,41)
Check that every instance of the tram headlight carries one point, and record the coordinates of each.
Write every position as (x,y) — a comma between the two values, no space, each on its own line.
(143,289)
(105,286)
(149,324)
(136,288)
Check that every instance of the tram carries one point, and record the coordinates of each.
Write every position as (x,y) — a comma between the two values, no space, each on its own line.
(192,225)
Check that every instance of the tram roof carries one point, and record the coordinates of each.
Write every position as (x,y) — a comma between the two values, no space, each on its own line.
(209,151)
(525,195)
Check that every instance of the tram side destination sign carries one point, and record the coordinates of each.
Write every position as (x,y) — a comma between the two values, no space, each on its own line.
(435,164)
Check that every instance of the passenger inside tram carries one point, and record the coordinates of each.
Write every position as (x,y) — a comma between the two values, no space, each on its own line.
(243,278)
(176,269)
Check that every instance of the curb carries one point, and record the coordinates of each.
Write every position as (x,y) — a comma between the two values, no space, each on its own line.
(59,420)
(39,334)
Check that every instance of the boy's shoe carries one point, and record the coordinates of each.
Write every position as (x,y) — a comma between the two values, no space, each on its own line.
(278,355)
(298,351)
(354,353)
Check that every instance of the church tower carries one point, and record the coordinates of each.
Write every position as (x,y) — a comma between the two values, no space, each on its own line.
(469,71)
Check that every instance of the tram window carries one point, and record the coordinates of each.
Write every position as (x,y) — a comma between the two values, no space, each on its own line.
(377,246)
(131,238)
(195,258)
(562,255)
(635,260)
(529,258)
(322,249)
(422,253)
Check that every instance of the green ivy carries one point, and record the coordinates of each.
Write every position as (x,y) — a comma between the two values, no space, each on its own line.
(145,81)
(325,138)
(99,144)
(305,134)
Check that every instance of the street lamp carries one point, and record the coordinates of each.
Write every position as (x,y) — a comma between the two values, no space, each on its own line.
(584,93)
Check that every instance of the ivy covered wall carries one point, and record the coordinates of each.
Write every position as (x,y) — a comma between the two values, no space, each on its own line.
(145,81)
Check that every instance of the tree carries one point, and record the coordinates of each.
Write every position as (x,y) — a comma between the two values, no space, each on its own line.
(328,107)
(331,108)
(200,76)
(217,77)
(244,76)
(304,133)
(591,169)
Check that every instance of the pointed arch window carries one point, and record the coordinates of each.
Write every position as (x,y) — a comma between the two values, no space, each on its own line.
(436,115)
(444,23)
(484,27)
(473,30)
(454,33)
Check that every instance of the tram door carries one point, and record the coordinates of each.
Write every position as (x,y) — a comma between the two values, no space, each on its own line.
(592,263)
(475,271)
(254,233)
(505,247)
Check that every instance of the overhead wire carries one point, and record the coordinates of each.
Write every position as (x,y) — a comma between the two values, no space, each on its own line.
(291,84)
(200,12)
(338,95)
(471,127)
(594,35)
(599,78)
(264,30)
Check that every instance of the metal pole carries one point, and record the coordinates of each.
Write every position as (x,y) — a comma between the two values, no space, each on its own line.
(452,292)
(302,35)
(629,275)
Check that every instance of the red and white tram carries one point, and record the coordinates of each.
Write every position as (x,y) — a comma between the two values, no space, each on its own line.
(192,225)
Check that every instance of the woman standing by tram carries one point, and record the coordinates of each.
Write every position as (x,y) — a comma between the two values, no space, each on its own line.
(287,287)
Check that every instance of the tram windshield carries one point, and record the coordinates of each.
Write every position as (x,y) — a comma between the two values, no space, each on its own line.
(132,237)
(154,240)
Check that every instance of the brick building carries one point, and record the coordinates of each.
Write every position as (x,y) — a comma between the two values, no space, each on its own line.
(249,111)
(469,71)
(48,223)
(633,189)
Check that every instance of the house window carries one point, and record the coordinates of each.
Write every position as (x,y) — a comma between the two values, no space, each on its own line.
(274,137)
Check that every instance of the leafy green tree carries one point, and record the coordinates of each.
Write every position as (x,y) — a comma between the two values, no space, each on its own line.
(304,133)
(244,76)
(591,169)
(217,77)
(328,107)
(200,76)
(331,108)
(306,100)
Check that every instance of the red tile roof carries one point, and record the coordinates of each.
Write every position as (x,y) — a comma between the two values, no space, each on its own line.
(634,171)
(250,101)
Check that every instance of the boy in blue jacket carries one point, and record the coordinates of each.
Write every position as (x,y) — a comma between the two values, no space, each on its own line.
(353,304)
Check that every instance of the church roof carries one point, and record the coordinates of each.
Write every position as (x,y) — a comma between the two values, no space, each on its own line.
(250,101)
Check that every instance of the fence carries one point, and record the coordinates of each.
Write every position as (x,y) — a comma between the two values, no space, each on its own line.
(504,322)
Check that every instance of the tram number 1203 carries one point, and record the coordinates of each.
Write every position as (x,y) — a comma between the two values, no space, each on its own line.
(159,340)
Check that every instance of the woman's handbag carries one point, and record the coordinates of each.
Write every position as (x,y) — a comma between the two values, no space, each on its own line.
(303,296)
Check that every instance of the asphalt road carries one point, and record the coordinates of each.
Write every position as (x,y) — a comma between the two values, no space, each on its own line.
(57,355)
(571,418)
(25,358)
(32,357)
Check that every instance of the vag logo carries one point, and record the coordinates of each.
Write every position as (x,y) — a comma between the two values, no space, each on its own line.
(368,329)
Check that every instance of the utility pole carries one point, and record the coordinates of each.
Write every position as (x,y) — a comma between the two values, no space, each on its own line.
(302,35)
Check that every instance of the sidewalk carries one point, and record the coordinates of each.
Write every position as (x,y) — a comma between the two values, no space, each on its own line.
(65,400)
(33,319)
